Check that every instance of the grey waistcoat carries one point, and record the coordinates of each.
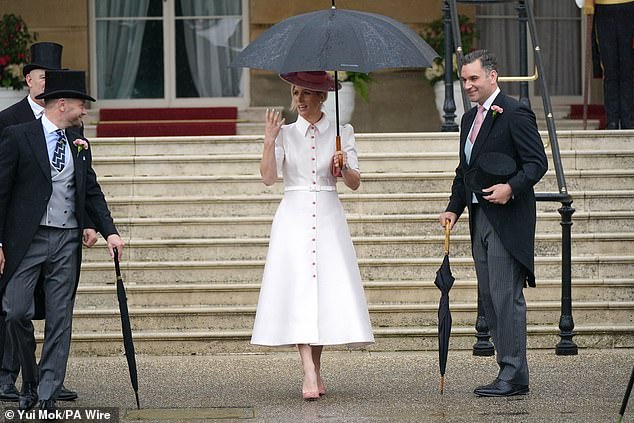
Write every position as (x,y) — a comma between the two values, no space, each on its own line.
(60,211)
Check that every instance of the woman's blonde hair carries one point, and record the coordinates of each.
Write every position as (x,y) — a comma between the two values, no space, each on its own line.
(294,103)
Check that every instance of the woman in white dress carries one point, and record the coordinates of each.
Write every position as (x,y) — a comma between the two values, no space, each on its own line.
(311,292)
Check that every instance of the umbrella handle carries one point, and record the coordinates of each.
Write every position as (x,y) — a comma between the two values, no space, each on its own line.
(339,155)
(447,232)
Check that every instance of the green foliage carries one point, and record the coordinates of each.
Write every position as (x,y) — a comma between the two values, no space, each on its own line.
(15,39)
(360,81)
(433,33)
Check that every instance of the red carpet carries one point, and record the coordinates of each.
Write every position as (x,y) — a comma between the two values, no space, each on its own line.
(595,111)
(167,122)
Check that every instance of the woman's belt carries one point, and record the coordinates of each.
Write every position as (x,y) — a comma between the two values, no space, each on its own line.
(311,188)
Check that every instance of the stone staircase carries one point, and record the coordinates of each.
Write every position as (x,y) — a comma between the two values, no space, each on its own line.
(196,220)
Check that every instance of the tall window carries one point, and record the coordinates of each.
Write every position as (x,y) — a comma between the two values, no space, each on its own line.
(168,49)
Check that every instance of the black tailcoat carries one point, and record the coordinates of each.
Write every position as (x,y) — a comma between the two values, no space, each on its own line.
(25,189)
(514,133)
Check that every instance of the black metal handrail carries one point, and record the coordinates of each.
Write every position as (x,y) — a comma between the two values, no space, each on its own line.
(483,347)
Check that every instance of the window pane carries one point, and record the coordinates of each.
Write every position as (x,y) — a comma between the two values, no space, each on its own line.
(127,9)
(204,50)
(130,59)
(208,7)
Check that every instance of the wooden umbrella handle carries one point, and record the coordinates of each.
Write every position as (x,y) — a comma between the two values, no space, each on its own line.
(447,231)
(339,155)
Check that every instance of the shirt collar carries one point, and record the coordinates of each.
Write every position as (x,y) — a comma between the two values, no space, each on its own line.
(36,108)
(303,125)
(489,101)
(49,127)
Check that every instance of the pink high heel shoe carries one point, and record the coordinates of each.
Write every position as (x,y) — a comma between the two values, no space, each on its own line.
(310,396)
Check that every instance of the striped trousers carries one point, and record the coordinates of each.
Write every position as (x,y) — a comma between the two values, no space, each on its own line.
(500,285)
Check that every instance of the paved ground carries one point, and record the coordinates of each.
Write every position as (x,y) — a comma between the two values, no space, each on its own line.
(362,387)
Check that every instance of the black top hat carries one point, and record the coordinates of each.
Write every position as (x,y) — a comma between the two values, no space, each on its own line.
(47,56)
(65,84)
(493,168)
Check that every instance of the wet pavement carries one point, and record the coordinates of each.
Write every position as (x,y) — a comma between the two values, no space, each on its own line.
(362,387)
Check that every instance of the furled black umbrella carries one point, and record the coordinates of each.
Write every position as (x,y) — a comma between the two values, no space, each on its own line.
(444,281)
(626,397)
(336,40)
(128,344)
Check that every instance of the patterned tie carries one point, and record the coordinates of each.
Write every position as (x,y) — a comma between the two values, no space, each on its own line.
(477,124)
(59,155)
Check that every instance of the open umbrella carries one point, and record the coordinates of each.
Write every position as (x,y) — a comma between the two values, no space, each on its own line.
(126,329)
(444,281)
(336,40)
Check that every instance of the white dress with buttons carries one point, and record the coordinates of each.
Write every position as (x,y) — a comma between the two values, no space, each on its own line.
(311,288)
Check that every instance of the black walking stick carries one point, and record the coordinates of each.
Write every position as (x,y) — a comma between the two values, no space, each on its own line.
(125,328)
(626,398)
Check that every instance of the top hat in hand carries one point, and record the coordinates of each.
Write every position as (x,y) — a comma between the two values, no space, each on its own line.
(492,168)
(47,56)
(65,84)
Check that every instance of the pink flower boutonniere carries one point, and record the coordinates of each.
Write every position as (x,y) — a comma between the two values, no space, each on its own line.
(496,109)
(81,144)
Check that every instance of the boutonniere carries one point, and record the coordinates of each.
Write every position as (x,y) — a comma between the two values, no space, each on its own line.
(496,109)
(81,144)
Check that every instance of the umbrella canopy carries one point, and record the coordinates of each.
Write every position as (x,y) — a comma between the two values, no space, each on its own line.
(444,281)
(336,40)
(126,329)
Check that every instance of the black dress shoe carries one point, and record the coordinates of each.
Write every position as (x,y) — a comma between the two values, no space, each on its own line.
(488,386)
(47,405)
(501,389)
(612,125)
(66,394)
(9,392)
(28,396)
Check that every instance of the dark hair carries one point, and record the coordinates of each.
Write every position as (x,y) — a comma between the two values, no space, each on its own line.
(488,60)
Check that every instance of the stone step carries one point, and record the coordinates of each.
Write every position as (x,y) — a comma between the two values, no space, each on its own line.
(381,315)
(248,164)
(241,271)
(223,249)
(387,339)
(157,295)
(116,186)
(359,225)
(366,143)
(354,203)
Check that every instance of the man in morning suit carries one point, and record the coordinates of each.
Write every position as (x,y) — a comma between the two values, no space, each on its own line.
(502,216)
(44,56)
(47,185)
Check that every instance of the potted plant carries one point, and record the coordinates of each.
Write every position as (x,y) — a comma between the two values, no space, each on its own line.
(351,83)
(15,38)
(434,34)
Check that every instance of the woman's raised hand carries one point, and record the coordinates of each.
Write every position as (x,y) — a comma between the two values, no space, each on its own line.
(274,122)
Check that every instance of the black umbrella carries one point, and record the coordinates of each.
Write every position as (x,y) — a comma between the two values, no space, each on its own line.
(626,397)
(336,40)
(444,281)
(128,344)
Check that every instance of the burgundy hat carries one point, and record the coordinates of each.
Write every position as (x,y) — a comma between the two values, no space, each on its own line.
(311,80)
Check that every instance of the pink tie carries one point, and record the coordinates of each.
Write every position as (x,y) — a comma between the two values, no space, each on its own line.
(477,123)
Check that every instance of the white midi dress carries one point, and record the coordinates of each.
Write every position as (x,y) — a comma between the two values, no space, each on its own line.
(311,288)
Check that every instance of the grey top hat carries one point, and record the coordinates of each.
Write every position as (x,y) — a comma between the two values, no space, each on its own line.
(45,55)
(65,84)
(493,168)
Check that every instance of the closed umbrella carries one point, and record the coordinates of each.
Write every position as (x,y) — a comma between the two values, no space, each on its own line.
(336,40)
(128,344)
(626,397)
(444,281)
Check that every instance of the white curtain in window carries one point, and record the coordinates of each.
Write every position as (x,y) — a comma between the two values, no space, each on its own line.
(558,31)
(119,44)
(211,45)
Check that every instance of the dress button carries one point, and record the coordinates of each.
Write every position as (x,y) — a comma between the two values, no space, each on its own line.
(313,227)
(313,239)
(313,159)
(314,202)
